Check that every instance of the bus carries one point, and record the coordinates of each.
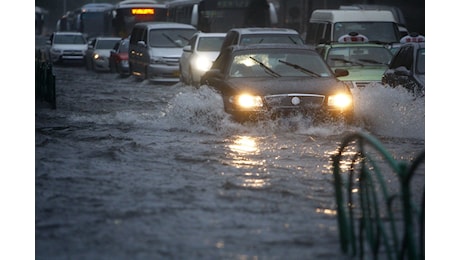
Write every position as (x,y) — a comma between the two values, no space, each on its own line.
(129,12)
(91,19)
(219,16)
(95,19)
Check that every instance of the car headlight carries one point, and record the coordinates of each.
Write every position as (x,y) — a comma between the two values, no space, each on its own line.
(96,56)
(202,64)
(247,101)
(56,50)
(341,101)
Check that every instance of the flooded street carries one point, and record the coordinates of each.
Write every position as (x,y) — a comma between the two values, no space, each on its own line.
(128,169)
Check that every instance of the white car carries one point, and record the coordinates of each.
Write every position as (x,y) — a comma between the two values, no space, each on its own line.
(98,53)
(66,46)
(198,56)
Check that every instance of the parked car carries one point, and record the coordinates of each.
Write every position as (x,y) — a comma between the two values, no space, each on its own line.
(198,56)
(256,35)
(98,53)
(407,68)
(66,46)
(118,59)
(272,80)
(366,62)
(155,49)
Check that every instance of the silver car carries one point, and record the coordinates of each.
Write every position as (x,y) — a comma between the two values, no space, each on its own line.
(98,53)
(198,56)
(155,49)
(66,46)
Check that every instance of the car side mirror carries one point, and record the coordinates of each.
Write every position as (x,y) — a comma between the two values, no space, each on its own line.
(142,43)
(341,72)
(48,42)
(402,71)
(187,48)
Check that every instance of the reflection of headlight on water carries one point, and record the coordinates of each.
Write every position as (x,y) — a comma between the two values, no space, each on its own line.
(341,101)
(247,101)
(202,64)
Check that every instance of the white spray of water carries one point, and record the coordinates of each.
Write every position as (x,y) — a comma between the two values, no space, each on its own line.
(391,112)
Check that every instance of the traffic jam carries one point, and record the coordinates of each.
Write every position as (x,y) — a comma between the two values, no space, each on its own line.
(146,41)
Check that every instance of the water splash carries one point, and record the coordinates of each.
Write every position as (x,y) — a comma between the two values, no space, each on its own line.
(391,112)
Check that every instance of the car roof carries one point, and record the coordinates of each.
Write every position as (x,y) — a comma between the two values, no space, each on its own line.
(164,25)
(203,34)
(271,46)
(343,44)
(264,30)
(108,38)
(68,33)
(344,15)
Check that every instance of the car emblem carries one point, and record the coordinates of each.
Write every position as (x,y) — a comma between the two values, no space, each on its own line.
(295,101)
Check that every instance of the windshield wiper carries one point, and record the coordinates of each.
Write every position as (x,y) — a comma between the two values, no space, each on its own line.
(183,37)
(266,69)
(300,68)
(171,40)
(347,61)
(372,61)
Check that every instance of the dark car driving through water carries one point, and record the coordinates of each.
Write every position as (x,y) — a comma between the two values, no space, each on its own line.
(271,80)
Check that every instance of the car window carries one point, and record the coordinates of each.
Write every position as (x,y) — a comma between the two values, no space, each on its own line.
(124,46)
(210,43)
(375,31)
(105,44)
(170,38)
(420,66)
(403,58)
(358,56)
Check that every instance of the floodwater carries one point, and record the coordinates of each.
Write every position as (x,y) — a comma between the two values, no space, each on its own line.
(127,169)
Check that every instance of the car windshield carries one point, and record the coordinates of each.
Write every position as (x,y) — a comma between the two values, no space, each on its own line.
(420,66)
(358,56)
(210,43)
(170,38)
(270,38)
(374,31)
(106,44)
(69,39)
(278,63)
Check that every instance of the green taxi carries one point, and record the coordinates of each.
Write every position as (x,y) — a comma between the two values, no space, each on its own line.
(365,61)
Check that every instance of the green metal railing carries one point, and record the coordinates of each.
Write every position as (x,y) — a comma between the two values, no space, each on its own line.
(377,217)
(45,80)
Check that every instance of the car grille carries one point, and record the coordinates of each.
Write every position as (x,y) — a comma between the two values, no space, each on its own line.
(295,101)
(72,53)
(171,61)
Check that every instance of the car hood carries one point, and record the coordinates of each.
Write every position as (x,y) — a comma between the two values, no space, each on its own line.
(283,85)
(167,52)
(102,52)
(364,74)
(70,46)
